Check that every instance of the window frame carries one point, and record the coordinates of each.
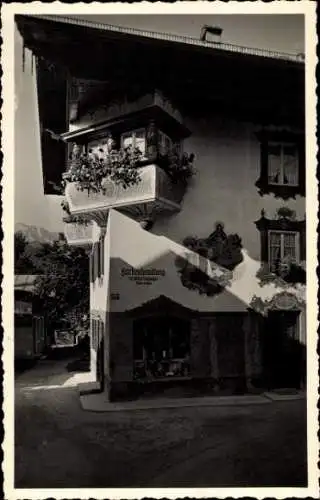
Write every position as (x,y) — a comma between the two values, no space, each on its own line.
(282,234)
(283,145)
(283,225)
(132,133)
(284,138)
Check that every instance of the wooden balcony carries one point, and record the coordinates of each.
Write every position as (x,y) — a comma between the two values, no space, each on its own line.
(154,193)
(78,234)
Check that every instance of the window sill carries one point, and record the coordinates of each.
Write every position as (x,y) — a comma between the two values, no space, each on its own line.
(284,191)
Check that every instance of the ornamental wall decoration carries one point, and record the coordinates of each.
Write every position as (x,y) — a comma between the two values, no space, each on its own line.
(218,254)
(282,301)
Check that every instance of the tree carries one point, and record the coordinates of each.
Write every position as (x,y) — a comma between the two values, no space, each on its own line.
(24,261)
(63,286)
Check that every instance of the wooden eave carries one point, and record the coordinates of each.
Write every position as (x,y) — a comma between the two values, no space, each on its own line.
(195,78)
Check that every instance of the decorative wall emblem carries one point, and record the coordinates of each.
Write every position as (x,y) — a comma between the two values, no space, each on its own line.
(283,301)
(209,268)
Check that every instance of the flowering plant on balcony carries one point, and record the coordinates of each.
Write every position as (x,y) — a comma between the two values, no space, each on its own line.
(73,219)
(288,272)
(179,167)
(89,170)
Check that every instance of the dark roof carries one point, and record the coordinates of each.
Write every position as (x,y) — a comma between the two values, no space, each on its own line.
(167,37)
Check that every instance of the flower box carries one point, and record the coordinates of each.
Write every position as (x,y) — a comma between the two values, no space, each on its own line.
(154,189)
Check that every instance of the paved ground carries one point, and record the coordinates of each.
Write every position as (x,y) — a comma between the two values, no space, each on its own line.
(60,445)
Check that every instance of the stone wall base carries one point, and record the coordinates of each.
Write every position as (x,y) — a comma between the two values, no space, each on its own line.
(190,387)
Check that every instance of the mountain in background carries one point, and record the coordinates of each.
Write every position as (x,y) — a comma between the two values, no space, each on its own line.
(36,234)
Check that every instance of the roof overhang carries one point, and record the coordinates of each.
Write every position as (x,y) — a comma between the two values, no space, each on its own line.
(198,77)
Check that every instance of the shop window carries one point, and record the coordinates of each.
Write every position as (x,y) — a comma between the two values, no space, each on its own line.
(161,348)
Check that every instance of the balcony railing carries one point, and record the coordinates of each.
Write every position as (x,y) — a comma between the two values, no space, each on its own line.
(155,190)
(78,234)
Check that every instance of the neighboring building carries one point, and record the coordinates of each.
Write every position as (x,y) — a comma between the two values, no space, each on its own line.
(30,339)
(197,281)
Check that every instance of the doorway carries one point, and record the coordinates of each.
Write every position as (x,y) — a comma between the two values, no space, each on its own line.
(282,350)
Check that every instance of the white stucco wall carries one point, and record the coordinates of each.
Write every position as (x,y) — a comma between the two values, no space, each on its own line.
(227,161)
(131,246)
(32,207)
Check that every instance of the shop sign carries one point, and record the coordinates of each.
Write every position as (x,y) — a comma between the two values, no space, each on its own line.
(142,276)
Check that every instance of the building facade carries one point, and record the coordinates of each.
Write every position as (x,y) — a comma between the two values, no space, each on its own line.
(186,181)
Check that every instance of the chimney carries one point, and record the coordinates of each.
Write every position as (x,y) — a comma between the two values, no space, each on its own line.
(215,31)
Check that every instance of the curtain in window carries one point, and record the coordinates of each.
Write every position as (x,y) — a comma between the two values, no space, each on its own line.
(290,167)
(274,164)
(136,139)
(99,148)
(275,250)
(140,140)
(289,245)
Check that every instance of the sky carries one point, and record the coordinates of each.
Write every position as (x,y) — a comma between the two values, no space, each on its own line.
(283,33)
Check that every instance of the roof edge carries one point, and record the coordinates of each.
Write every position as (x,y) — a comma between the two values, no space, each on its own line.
(186,40)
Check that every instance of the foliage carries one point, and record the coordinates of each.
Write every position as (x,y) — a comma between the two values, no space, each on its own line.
(286,213)
(63,279)
(64,284)
(89,170)
(73,219)
(25,261)
(179,168)
(287,273)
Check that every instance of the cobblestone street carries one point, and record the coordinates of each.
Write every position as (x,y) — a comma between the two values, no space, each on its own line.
(60,445)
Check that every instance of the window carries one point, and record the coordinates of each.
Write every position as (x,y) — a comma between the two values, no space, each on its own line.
(283,248)
(282,245)
(161,347)
(136,139)
(165,144)
(283,164)
(99,147)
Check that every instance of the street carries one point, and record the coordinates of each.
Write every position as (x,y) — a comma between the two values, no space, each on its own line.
(58,445)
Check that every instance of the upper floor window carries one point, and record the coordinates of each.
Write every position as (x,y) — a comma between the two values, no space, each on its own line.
(135,139)
(99,147)
(283,245)
(165,143)
(283,165)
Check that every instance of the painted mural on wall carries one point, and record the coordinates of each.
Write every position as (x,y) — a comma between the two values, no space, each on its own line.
(217,256)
